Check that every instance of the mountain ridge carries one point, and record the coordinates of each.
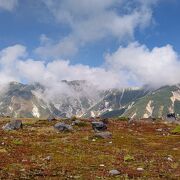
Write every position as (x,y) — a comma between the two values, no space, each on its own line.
(81,99)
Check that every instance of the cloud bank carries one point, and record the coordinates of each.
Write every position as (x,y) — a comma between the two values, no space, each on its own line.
(133,65)
(140,65)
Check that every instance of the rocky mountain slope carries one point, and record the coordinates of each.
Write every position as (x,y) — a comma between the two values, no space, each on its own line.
(158,103)
(82,99)
(20,100)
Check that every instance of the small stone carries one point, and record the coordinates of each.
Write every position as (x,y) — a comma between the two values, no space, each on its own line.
(93,140)
(104,135)
(114,172)
(140,169)
(159,130)
(169,159)
(76,123)
(48,158)
(51,118)
(101,165)
(22,170)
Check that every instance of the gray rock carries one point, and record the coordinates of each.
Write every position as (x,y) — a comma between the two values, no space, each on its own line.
(114,172)
(51,118)
(103,135)
(13,125)
(76,123)
(99,126)
(63,127)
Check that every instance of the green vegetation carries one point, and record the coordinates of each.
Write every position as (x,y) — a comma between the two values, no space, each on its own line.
(176,130)
(123,118)
(17,142)
(128,158)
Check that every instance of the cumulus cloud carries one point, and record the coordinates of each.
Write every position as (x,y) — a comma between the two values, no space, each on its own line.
(94,20)
(8,5)
(140,65)
(9,57)
(133,65)
(15,65)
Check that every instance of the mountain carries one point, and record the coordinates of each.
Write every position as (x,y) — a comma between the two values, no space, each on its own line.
(157,103)
(116,102)
(84,100)
(20,100)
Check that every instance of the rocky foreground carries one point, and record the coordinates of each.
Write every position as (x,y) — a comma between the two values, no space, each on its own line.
(80,149)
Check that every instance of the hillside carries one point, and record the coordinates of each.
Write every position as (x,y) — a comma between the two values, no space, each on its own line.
(158,103)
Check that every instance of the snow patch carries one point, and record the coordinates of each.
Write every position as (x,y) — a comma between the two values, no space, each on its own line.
(149,110)
(176,96)
(106,104)
(93,114)
(134,115)
(35,111)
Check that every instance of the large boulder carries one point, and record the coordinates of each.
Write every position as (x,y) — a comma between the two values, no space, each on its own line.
(13,125)
(99,126)
(63,127)
(171,117)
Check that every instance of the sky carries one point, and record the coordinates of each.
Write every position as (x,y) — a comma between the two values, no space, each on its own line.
(110,43)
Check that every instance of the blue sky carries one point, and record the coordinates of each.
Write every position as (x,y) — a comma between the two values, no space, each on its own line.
(96,34)
(25,24)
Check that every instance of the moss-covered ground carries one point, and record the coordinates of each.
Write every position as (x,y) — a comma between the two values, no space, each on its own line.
(138,150)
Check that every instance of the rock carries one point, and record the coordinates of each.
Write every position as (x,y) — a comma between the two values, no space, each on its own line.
(13,125)
(51,118)
(159,130)
(103,135)
(48,158)
(99,126)
(76,123)
(140,169)
(105,120)
(63,127)
(114,172)
(169,159)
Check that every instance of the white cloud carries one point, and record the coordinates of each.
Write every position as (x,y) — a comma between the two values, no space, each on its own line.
(15,66)
(140,65)
(64,48)
(94,20)
(8,5)
(9,57)
(52,73)
(128,66)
